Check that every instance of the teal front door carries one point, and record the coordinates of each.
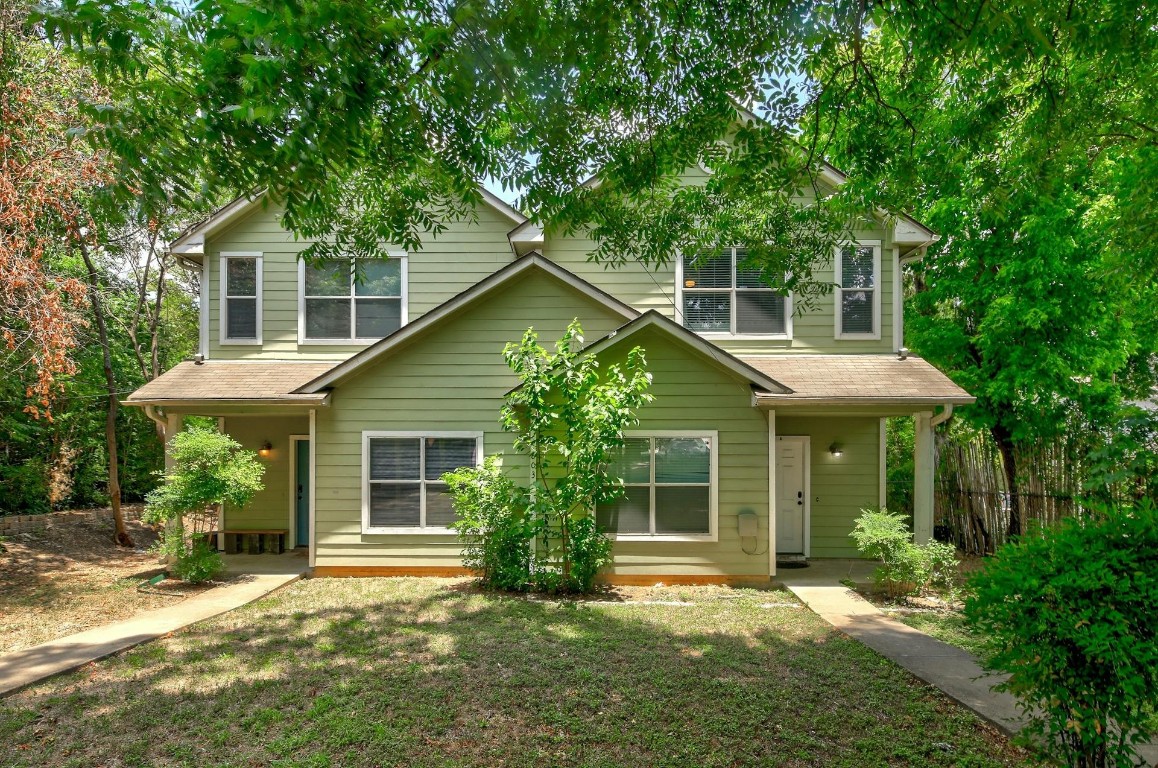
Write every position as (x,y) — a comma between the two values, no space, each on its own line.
(302,491)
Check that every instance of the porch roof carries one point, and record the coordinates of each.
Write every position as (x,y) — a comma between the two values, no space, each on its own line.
(857,379)
(232,381)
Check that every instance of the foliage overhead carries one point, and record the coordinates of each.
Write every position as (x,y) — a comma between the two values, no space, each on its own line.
(372,122)
(1069,614)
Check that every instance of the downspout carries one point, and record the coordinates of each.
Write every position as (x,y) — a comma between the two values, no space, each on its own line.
(943,416)
(162,422)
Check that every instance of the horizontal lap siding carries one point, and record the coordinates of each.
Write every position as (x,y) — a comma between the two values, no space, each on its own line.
(813,332)
(452,379)
(447,264)
(692,394)
(841,485)
(270,507)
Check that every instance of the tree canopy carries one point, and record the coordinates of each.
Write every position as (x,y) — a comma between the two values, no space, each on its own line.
(371,122)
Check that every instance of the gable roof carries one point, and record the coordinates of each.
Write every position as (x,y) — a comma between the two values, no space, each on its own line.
(480,290)
(653,319)
(192,240)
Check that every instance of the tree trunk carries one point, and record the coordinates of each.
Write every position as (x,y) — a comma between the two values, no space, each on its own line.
(120,534)
(1004,442)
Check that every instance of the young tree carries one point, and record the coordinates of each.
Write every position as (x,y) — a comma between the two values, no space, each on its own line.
(568,420)
(209,470)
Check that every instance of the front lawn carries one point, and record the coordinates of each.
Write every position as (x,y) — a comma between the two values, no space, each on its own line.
(428,672)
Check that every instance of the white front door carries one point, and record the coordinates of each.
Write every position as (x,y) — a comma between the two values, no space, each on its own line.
(792,495)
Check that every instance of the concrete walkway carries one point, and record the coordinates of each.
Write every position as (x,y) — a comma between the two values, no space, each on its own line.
(23,668)
(954,671)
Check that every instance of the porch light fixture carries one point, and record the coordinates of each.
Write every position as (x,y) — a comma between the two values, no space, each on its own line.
(264,450)
(836,449)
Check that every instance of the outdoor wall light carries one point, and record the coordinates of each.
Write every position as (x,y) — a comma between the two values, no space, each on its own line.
(264,450)
(836,449)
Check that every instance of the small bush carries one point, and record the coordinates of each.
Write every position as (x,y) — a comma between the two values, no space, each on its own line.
(1069,614)
(198,563)
(492,525)
(906,568)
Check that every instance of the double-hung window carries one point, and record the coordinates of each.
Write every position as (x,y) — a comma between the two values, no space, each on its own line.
(352,300)
(240,298)
(669,488)
(858,290)
(402,487)
(719,294)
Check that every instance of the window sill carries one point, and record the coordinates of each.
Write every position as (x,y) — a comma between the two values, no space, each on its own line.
(744,336)
(665,537)
(240,343)
(337,342)
(370,531)
(858,337)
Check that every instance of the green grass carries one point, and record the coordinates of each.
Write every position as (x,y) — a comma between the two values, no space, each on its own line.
(946,626)
(425,672)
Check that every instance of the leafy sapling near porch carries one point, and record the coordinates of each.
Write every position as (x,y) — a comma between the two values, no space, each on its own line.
(209,469)
(568,419)
(906,568)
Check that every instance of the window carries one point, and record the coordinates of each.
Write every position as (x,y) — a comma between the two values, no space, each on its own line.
(240,298)
(402,492)
(669,488)
(858,301)
(344,301)
(719,295)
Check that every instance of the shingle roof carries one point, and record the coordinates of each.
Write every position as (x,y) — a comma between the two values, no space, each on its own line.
(857,378)
(232,381)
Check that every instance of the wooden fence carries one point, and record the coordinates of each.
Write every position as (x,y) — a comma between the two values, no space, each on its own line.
(972,500)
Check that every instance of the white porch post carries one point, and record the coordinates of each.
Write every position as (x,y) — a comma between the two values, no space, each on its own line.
(172,427)
(771,492)
(923,478)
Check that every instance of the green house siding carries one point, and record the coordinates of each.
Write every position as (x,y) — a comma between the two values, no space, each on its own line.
(841,485)
(270,507)
(451,379)
(449,263)
(693,394)
(654,288)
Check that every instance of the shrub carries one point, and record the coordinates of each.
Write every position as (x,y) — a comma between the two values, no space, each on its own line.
(199,563)
(1069,614)
(905,567)
(492,525)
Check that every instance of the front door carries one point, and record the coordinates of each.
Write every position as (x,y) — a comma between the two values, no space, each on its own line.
(791,495)
(302,491)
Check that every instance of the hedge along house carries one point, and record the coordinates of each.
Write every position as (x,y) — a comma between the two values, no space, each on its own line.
(766,435)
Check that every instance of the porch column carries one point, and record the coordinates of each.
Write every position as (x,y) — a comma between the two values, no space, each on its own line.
(923,478)
(173,423)
(172,427)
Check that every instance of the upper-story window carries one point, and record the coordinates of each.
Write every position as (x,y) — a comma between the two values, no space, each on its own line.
(858,290)
(719,295)
(352,300)
(240,298)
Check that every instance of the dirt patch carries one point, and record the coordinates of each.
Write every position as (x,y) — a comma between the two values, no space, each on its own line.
(68,577)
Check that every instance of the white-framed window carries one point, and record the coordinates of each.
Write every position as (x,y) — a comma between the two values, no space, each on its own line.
(670,488)
(718,296)
(402,489)
(857,269)
(351,301)
(240,304)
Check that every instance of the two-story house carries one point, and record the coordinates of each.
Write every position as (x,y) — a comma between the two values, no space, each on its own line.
(766,435)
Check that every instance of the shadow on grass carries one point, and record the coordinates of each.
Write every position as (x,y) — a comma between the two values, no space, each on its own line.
(422,673)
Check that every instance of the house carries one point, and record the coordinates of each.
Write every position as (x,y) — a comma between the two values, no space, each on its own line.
(766,435)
